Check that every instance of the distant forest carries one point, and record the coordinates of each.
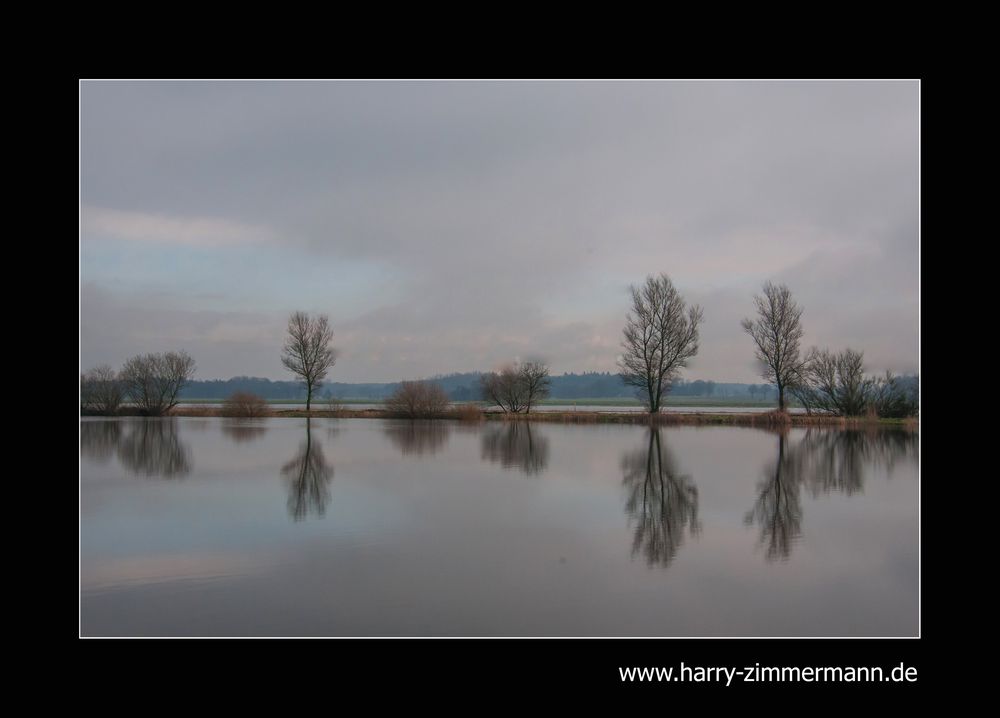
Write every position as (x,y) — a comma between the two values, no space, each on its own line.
(465,387)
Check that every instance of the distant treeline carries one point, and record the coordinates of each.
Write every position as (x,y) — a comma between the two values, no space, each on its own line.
(465,387)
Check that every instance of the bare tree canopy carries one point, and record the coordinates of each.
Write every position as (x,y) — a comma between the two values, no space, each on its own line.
(154,381)
(307,351)
(776,333)
(661,336)
(516,387)
(418,399)
(100,390)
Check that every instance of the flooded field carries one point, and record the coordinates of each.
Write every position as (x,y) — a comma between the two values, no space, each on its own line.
(286,527)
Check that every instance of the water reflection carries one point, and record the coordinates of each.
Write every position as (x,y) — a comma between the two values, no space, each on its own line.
(99,439)
(242,431)
(145,447)
(836,460)
(662,502)
(308,476)
(418,436)
(516,445)
(822,462)
(154,448)
(778,509)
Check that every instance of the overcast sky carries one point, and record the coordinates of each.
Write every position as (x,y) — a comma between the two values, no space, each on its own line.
(453,226)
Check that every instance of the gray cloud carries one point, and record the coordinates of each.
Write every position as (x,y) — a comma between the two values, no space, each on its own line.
(511,217)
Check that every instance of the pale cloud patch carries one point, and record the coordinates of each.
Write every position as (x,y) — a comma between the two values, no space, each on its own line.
(156,228)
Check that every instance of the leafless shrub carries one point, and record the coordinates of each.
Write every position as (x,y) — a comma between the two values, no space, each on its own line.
(100,390)
(335,406)
(153,381)
(661,336)
(244,404)
(418,400)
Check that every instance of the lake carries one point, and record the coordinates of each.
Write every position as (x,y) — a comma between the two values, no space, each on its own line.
(364,527)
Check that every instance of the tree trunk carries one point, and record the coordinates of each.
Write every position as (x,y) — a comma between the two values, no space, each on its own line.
(781,397)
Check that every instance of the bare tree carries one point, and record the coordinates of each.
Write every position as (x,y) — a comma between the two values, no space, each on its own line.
(505,388)
(535,378)
(777,332)
(101,390)
(661,336)
(154,381)
(418,399)
(307,351)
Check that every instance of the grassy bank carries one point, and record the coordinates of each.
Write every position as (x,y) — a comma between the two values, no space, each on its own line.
(469,413)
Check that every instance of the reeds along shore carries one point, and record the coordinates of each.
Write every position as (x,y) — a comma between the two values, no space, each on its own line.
(468,413)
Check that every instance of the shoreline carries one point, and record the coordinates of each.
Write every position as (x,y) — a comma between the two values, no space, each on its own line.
(761,420)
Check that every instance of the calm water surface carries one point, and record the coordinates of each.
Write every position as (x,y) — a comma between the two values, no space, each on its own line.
(382,527)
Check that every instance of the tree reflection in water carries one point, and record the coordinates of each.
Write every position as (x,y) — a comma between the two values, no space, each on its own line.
(516,445)
(145,447)
(662,502)
(778,509)
(99,439)
(154,448)
(308,476)
(417,436)
(823,461)
(242,431)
